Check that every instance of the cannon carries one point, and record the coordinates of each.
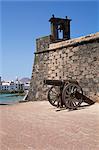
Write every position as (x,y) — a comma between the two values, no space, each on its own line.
(66,93)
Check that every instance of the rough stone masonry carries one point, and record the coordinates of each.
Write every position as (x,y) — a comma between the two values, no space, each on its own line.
(66,59)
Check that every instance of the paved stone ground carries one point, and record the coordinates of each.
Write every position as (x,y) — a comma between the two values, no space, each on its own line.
(40,126)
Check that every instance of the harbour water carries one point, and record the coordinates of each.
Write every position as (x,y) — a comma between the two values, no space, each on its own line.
(10,98)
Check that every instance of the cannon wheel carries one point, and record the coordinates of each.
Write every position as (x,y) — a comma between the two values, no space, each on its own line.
(54,95)
(70,96)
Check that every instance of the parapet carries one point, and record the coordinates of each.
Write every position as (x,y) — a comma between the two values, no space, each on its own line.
(75,42)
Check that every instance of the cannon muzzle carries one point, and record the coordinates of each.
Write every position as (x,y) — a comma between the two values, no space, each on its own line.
(53,82)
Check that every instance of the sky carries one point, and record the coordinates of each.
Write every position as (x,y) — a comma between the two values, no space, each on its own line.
(24,21)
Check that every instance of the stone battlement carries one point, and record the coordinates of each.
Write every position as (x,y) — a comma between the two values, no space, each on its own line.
(76,41)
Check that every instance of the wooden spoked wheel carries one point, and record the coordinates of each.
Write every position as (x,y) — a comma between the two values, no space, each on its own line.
(54,95)
(72,96)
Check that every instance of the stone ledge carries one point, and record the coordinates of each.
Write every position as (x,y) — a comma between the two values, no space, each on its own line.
(67,43)
(73,42)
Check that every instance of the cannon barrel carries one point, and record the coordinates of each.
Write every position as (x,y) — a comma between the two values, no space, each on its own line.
(85,98)
(54,82)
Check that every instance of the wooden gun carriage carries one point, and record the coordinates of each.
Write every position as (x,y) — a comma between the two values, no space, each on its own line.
(66,93)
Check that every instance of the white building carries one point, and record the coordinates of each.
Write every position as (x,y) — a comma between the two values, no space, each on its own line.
(5,86)
(26,82)
(26,85)
(17,86)
(12,86)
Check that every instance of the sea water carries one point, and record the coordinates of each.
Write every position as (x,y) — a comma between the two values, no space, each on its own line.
(10,98)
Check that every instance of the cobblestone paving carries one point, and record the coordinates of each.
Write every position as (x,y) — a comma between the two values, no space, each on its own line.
(40,126)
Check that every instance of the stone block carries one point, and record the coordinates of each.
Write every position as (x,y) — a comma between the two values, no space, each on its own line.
(96,80)
(89,76)
(86,89)
(70,54)
(75,49)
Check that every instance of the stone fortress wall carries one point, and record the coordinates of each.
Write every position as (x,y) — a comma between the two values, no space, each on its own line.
(75,58)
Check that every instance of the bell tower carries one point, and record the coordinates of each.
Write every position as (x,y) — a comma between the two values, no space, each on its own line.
(60,25)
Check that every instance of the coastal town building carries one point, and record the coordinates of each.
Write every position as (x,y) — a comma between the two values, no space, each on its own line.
(14,86)
(11,86)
